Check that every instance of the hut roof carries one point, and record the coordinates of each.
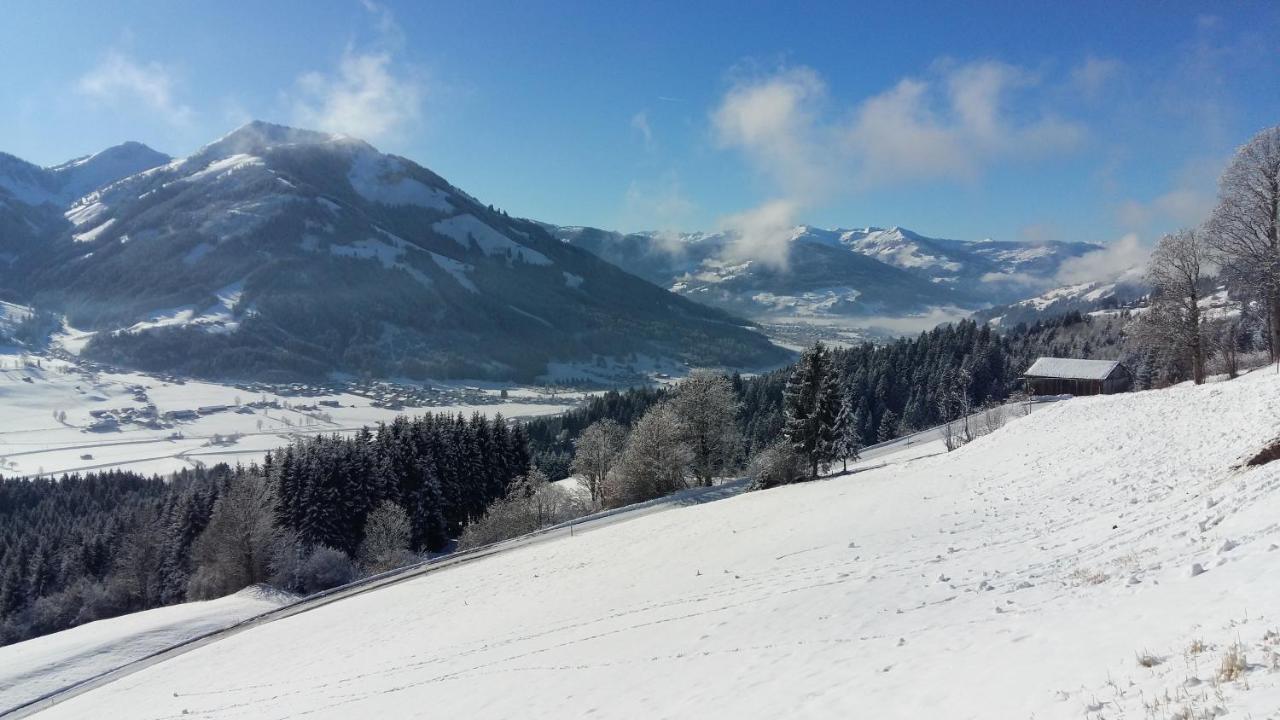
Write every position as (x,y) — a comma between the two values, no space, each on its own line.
(1072,368)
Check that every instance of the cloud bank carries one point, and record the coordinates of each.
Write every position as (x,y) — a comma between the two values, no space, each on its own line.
(950,125)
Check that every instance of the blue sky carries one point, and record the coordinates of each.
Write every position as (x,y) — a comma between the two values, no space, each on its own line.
(1011,120)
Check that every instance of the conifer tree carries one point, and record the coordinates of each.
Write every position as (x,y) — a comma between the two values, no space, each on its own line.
(811,402)
(848,443)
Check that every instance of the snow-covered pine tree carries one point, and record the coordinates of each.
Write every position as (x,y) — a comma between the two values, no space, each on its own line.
(810,403)
(847,432)
(888,427)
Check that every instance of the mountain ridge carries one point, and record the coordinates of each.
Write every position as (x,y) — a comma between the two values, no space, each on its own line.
(288,252)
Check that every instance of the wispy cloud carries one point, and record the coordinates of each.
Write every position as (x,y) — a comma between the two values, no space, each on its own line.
(119,80)
(1093,76)
(1191,196)
(762,233)
(370,94)
(952,126)
(640,123)
(1125,256)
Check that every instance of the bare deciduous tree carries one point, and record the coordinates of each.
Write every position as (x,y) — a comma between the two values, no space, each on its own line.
(654,461)
(707,410)
(1174,319)
(237,547)
(387,533)
(1245,227)
(532,503)
(595,452)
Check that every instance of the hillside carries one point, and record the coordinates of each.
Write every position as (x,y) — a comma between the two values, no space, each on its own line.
(840,272)
(1107,556)
(33,668)
(283,253)
(32,198)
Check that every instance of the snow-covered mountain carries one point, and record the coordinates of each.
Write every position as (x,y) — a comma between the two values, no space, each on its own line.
(32,198)
(1124,290)
(281,251)
(868,271)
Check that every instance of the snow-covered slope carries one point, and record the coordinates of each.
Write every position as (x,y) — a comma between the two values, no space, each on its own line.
(30,669)
(1100,558)
(32,198)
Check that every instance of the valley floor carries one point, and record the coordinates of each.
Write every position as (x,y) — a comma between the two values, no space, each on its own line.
(1102,558)
(48,416)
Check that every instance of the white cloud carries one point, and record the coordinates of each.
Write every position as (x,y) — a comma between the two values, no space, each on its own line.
(1128,255)
(363,98)
(951,125)
(773,121)
(762,233)
(369,95)
(120,81)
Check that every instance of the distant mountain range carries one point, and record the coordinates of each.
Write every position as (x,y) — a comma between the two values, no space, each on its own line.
(276,252)
(841,272)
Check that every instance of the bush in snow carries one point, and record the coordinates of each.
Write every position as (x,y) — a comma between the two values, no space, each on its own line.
(776,465)
(532,504)
(303,570)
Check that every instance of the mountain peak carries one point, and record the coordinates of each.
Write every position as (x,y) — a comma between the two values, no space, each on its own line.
(257,136)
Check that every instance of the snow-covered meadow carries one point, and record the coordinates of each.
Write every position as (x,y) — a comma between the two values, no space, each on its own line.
(1102,558)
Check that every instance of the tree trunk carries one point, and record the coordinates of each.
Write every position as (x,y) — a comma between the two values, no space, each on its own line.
(1273,311)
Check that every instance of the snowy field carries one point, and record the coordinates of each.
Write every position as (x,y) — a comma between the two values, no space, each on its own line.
(1101,558)
(36,438)
(35,667)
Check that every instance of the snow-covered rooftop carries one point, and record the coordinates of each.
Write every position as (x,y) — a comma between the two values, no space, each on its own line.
(1071,368)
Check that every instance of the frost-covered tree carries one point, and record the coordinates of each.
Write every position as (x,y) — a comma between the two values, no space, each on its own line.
(1244,229)
(595,453)
(236,548)
(810,403)
(655,459)
(777,464)
(707,410)
(1174,320)
(387,533)
(847,431)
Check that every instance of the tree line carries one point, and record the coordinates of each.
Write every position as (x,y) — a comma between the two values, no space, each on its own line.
(316,513)
(1237,247)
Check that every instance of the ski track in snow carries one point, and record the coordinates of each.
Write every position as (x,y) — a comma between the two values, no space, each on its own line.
(1019,576)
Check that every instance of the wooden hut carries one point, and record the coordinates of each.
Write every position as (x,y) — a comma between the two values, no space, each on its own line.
(1071,376)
